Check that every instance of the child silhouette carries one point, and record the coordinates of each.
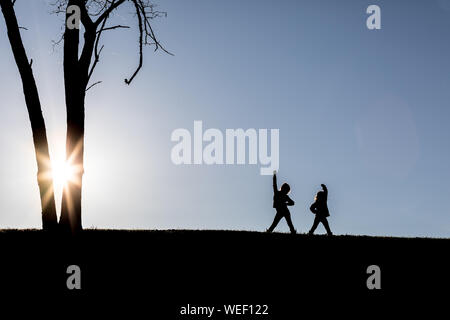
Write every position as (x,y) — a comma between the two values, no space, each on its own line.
(320,209)
(281,201)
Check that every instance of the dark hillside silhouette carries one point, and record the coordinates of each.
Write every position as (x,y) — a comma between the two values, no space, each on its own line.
(154,272)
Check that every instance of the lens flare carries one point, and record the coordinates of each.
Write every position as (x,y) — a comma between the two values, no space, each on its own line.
(62,173)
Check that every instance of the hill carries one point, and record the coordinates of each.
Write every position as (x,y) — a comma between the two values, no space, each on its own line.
(173,268)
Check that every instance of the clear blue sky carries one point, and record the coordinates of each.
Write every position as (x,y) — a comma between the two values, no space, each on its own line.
(365,112)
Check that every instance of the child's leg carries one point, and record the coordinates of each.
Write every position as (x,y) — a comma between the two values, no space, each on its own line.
(315,224)
(326,225)
(277,219)
(289,222)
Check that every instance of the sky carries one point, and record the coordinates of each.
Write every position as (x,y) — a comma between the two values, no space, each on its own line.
(364,111)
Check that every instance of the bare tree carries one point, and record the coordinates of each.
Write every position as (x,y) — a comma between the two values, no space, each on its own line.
(44,177)
(79,65)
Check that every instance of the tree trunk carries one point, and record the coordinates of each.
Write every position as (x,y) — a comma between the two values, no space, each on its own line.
(75,82)
(44,178)
(71,201)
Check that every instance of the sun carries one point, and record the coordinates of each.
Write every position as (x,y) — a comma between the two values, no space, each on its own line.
(62,173)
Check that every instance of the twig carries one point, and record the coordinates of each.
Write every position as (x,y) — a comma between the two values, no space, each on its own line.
(95,83)
(112,28)
(141,32)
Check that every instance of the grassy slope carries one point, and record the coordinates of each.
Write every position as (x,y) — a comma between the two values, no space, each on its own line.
(183,266)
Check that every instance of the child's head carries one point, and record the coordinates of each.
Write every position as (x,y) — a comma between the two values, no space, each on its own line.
(320,196)
(285,188)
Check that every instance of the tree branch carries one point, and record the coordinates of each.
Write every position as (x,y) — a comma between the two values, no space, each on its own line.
(96,51)
(112,28)
(96,60)
(106,13)
(102,9)
(141,34)
(85,19)
(95,83)
(148,28)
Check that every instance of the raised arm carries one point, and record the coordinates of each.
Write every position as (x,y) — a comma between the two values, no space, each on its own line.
(289,201)
(325,190)
(275,188)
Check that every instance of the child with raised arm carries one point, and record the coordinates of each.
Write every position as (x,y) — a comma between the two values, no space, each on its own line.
(320,209)
(281,201)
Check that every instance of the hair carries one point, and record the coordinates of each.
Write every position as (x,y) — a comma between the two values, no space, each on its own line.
(320,196)
(285,188)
